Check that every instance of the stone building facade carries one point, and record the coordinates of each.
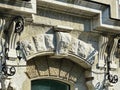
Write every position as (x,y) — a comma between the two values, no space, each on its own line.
(59,45)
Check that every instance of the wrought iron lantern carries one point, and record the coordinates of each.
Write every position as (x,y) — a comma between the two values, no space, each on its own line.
(19,51)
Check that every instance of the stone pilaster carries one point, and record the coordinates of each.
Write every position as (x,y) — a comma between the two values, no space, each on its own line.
(103,41)
(112,54)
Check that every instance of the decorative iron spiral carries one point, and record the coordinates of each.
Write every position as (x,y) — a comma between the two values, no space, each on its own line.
(19,24)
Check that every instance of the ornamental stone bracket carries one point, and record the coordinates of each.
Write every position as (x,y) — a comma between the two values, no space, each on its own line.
(12,35)
(113,64)
(103,41)
(2,41)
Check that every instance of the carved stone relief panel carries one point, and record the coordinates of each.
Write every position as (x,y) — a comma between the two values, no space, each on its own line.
(39,42)
(84,49)
(63,43)
(29,46)
(74,46)
(49,42)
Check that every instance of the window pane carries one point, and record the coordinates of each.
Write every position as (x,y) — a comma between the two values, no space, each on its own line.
(45,84)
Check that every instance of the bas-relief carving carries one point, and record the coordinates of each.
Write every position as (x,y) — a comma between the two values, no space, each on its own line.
(84,49)
(74,46)
(39,42)
(63,43)
(29,46)
(49,41)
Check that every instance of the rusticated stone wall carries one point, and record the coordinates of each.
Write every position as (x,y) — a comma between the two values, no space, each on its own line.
(63,69)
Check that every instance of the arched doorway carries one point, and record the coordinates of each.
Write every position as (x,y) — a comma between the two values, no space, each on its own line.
(47,84)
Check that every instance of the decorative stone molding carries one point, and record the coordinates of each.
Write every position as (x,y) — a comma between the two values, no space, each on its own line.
(62,28)
(61,46)
(103,41)
(112,54)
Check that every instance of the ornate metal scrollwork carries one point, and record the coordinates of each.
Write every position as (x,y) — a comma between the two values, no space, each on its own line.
(19,24)
(112,78)
(97,86)
(8,71)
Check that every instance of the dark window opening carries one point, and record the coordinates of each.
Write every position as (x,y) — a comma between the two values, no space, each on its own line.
(46,84)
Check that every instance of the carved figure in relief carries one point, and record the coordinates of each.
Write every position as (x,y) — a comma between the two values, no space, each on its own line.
(49,41)
(84,49)
(63,42)
(29,46)
(39,42)
(74,45)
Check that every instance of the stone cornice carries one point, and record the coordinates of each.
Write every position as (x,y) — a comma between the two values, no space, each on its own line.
(100,13)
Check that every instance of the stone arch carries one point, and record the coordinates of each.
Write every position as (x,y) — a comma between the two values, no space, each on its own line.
(57,69)
(82,62)
(64,45)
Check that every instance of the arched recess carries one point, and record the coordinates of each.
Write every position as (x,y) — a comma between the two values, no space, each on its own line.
(61,69)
